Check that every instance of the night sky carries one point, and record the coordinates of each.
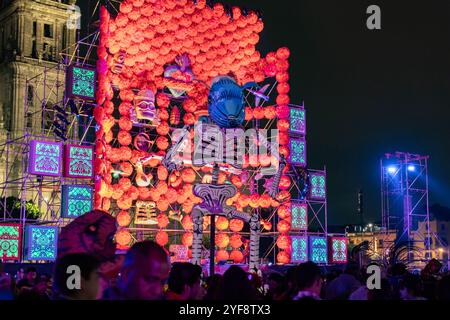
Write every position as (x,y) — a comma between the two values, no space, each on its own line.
(366,92)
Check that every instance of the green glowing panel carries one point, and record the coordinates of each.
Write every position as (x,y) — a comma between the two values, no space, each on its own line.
(82,82)
(10,241)
(299,216)
(297,120)
(299,249)
(318,186)
(298,152)
(76,200)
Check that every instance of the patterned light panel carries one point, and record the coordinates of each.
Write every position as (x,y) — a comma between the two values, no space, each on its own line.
(338,250)
(45,158)
(299,215)
(297,120)
(318,252)
(299,249)
(79,162)
(76,200)
(82,82)
(317,186)
(10,241)
(298,151)
(41,243)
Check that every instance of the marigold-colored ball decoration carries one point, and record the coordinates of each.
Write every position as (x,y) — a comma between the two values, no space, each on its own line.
(123,237)
(187,223)
(162,173)
(283,125)
(187,239)
(126,168)
(284,211)
(283,53)
(162,143)
(283,242)
(283,99)
(258,113)
(222,255)
(283,111)
(123,219)
(283,257)
(162,100)
(222,223)
(236,180)
(163,128)
(236,241)
(222,240)
(254,200)
(285,182)
(283,226)
(236,225)
(283,138)
(265,160)
(237,256)
(163,220)
(188,175)
(282,77)
(125,124)
(270,112)
(162,238)
(125,184)
(124,138)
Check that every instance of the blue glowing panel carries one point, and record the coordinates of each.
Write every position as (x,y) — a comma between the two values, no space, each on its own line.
(318,252)
(41,243)
(297,120)
(76,200)
(338,250)
(298,151)
(299,216)
(299,249)
(317,186)
(45,158)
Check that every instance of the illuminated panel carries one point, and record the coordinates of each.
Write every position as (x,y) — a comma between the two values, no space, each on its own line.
(76,200)
(299,215)
(41,243)
(338,250)
(297,121)
(79,162)
(298,151)
(10,241)
(318,249)
(317,186)
(81,82)
(45,158)
(299,249)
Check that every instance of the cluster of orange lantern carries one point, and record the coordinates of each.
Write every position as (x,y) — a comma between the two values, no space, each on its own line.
(151,34)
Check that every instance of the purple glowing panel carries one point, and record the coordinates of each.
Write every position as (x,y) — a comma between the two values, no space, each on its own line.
(317,186)
(298,151)
(299,249)
(45,158)
(318,252)
(297,120)
(299,216)
(338,249)
(79,162)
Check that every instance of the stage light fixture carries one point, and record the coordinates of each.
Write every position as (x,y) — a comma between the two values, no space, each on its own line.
(392,169)
(411,168)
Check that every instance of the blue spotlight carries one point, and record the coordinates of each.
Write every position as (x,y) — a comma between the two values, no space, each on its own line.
(392,169)
(411,168)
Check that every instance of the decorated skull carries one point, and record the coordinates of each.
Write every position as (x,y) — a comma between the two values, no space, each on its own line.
(144,106)
(118,61)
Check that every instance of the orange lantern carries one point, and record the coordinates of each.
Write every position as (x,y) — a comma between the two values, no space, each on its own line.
(123,219)
(187,239)
(187,223)
(162,238)
(123,237)
(283,242)
(222,240)
(188,175)
(237,256)
(284,211)
(163,220)
(283,257)
(222,255)
(236,225)
(221,223)
(235,241)
(283,226)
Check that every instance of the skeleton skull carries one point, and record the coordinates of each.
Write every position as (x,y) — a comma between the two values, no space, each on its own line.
(144,105)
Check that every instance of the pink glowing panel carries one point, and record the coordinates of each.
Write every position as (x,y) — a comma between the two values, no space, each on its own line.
(79,162)
(45,158)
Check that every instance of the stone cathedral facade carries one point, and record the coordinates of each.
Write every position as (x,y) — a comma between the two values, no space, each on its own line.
(33,33)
